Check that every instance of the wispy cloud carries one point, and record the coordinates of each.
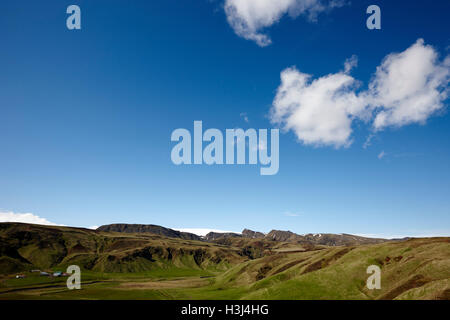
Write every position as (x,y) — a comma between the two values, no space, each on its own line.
(202,231)
(25,218)
(10,216)
(291,214)
(407,154)
(395,155)
(368,141)
(244,116)
(249,18)
(381,155)
(350,63)
(412,234)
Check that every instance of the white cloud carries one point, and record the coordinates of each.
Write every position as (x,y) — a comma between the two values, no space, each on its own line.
(368,141)
(202,231)
(350,63)
(320,111)
(24,218)
(381,155)
(249,17)
(244,116)
(407,88)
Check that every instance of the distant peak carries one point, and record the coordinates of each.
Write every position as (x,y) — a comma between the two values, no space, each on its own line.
(252,234)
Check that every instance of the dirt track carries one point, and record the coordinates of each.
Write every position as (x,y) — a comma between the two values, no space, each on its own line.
(166,284)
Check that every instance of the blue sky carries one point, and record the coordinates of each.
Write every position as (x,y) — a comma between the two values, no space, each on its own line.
(87,117)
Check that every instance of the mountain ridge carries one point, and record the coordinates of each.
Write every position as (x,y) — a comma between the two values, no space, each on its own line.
(328,239)
(148,228)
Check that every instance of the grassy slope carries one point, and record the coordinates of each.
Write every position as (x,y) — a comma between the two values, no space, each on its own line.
(127,266)
(24,247)
(337,274)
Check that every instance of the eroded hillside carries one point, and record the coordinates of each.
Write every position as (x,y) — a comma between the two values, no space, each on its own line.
(150,266)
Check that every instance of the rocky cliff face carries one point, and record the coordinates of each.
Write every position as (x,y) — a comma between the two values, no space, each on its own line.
(216,236)
(279,235)
(252,234)
(148,228)
(327,239)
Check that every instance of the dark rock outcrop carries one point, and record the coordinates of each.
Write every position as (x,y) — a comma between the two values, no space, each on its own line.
(148,228)
(217,235)
(252,234)
(278,235)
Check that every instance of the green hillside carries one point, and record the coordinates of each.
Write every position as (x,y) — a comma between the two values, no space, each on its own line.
(24,247)
(149,266)
(418,268)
